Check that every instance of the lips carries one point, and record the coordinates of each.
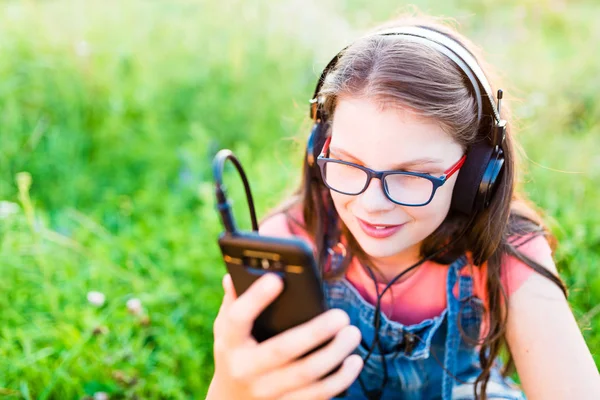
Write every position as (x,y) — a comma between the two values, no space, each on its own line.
(379,231)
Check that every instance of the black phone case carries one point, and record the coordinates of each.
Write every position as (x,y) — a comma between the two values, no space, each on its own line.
(302,298)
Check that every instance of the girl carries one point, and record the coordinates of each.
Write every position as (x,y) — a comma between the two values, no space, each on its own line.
(432,261)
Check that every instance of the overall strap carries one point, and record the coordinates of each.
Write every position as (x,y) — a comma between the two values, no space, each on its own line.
(465,290)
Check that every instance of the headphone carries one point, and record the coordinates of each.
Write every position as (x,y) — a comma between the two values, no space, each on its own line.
(480,175)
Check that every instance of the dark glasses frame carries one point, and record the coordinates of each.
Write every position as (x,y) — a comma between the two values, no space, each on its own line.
(437,181)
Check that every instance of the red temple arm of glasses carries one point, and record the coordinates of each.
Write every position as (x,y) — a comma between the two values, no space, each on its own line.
(325,147)
(450,171)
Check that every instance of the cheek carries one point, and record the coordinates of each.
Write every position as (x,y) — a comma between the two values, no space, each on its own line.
(340,201)
(437,210)
(343,206)
(444,194)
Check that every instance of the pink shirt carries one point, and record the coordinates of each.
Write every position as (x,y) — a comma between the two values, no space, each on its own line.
(422,295)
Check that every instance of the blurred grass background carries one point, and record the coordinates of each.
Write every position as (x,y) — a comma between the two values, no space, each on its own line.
(110,113)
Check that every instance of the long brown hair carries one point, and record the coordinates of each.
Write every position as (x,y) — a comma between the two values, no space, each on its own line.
(396,72)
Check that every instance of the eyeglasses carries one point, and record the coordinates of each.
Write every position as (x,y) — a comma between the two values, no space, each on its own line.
(401,187)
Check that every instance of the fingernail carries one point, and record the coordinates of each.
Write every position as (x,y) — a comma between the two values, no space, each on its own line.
(271,281)
(226,282)
(354,361)
(339,317)
(355,334)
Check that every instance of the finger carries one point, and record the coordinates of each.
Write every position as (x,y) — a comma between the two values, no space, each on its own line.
(228,299)
(332,385)
(310,368)
(247,307)
(296,342)
(229,289)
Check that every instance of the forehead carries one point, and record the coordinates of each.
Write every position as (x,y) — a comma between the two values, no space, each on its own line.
(383,136)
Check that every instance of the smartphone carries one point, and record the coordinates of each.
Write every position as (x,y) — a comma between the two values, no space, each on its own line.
(248,255)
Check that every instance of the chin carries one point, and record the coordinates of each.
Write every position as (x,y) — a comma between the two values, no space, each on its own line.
(382,251)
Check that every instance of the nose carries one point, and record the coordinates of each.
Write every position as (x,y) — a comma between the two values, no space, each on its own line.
(374,200)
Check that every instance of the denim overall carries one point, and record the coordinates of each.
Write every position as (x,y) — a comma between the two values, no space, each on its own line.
(410,351)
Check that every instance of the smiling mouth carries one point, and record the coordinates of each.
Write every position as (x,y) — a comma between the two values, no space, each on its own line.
(379,231)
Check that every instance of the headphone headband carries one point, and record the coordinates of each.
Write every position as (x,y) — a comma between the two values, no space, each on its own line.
(441,42)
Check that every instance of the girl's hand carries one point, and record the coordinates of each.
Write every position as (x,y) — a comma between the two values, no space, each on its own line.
(246,369)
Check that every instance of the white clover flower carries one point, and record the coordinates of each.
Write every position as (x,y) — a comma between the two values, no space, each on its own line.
(82,48)
(101,396)
(134,306)
(96,298)
(7,209)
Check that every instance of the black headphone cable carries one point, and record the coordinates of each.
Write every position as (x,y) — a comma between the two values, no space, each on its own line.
(224,205)
(377,393)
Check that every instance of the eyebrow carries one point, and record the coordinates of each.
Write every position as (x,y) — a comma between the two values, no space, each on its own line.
(416,162)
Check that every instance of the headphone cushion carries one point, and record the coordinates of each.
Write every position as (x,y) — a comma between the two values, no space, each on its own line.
(466,189)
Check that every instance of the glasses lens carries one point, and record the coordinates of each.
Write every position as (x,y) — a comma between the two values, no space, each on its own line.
(408,189)
(344,178)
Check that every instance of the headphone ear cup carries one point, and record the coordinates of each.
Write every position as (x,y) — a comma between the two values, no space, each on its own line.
(466,197)
(315,143)
(491,179)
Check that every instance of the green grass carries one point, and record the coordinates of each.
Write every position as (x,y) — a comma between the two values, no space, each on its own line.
(111,113)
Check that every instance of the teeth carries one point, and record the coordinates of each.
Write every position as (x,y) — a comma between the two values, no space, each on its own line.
(380,227)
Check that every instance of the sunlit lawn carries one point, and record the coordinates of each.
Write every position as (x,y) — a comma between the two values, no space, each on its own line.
(110,113)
